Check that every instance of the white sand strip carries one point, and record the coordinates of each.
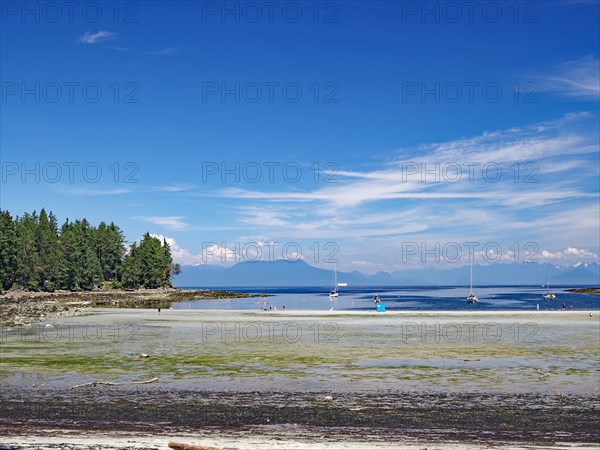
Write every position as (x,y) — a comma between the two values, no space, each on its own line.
(54,439)
(310,312)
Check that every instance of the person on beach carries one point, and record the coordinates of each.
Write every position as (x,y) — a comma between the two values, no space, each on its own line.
(564,307)
(537,306)
(283,307)
(571,307)
(159,311)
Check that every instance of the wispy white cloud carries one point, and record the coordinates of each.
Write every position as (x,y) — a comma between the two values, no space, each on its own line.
(462,169)
(264,217)
(177,187)
(122,49)
(93,191)
(169,222)
(578,226)
(160,52)
(90,37)
(563,166)
(579,79)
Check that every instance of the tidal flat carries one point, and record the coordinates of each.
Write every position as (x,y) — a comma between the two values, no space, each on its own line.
(530,377)
(509,352)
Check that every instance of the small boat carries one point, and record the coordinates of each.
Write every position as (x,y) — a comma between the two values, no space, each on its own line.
(472,298)
(549,295)
(376,299)
(334,292)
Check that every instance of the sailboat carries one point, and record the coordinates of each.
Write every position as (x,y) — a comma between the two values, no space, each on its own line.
(549,295)
(472,298)
(334,292)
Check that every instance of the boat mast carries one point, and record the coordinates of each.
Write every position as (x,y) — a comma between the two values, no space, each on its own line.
(335,278)
(471,288)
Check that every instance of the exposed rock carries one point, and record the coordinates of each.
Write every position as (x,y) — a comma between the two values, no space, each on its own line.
(18,307)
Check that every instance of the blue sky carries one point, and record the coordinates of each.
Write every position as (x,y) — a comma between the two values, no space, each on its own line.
(384,135)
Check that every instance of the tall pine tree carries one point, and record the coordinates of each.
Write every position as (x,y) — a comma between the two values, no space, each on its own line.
(110,249)
(9,247)
(29,268)
(51,271)
(82,265)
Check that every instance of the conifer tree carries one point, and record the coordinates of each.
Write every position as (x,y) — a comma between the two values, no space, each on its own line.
(49,254)
(29,268)
(110,249)
(9,246)
(131,272)
(82,265)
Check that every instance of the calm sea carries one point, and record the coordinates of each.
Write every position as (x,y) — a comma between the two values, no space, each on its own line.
(448,298)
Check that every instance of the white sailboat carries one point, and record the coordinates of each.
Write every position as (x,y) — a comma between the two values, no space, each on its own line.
(549,295)
(472,298)
(334,291)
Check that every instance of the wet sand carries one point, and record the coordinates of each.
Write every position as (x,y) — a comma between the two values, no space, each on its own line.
(394,378)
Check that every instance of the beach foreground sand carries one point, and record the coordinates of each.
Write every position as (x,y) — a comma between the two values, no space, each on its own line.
(248,440)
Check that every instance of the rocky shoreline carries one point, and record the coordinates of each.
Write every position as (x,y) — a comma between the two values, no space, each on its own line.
(20,307)
(594,290)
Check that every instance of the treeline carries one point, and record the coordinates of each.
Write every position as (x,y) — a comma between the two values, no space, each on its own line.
(37,254)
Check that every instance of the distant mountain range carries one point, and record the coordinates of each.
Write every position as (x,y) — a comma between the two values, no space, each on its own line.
(299,273)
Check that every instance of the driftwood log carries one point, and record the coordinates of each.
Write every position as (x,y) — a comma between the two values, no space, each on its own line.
(110,383)
(181,446)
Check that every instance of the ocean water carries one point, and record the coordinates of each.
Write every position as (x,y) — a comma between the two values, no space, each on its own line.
(442,298)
